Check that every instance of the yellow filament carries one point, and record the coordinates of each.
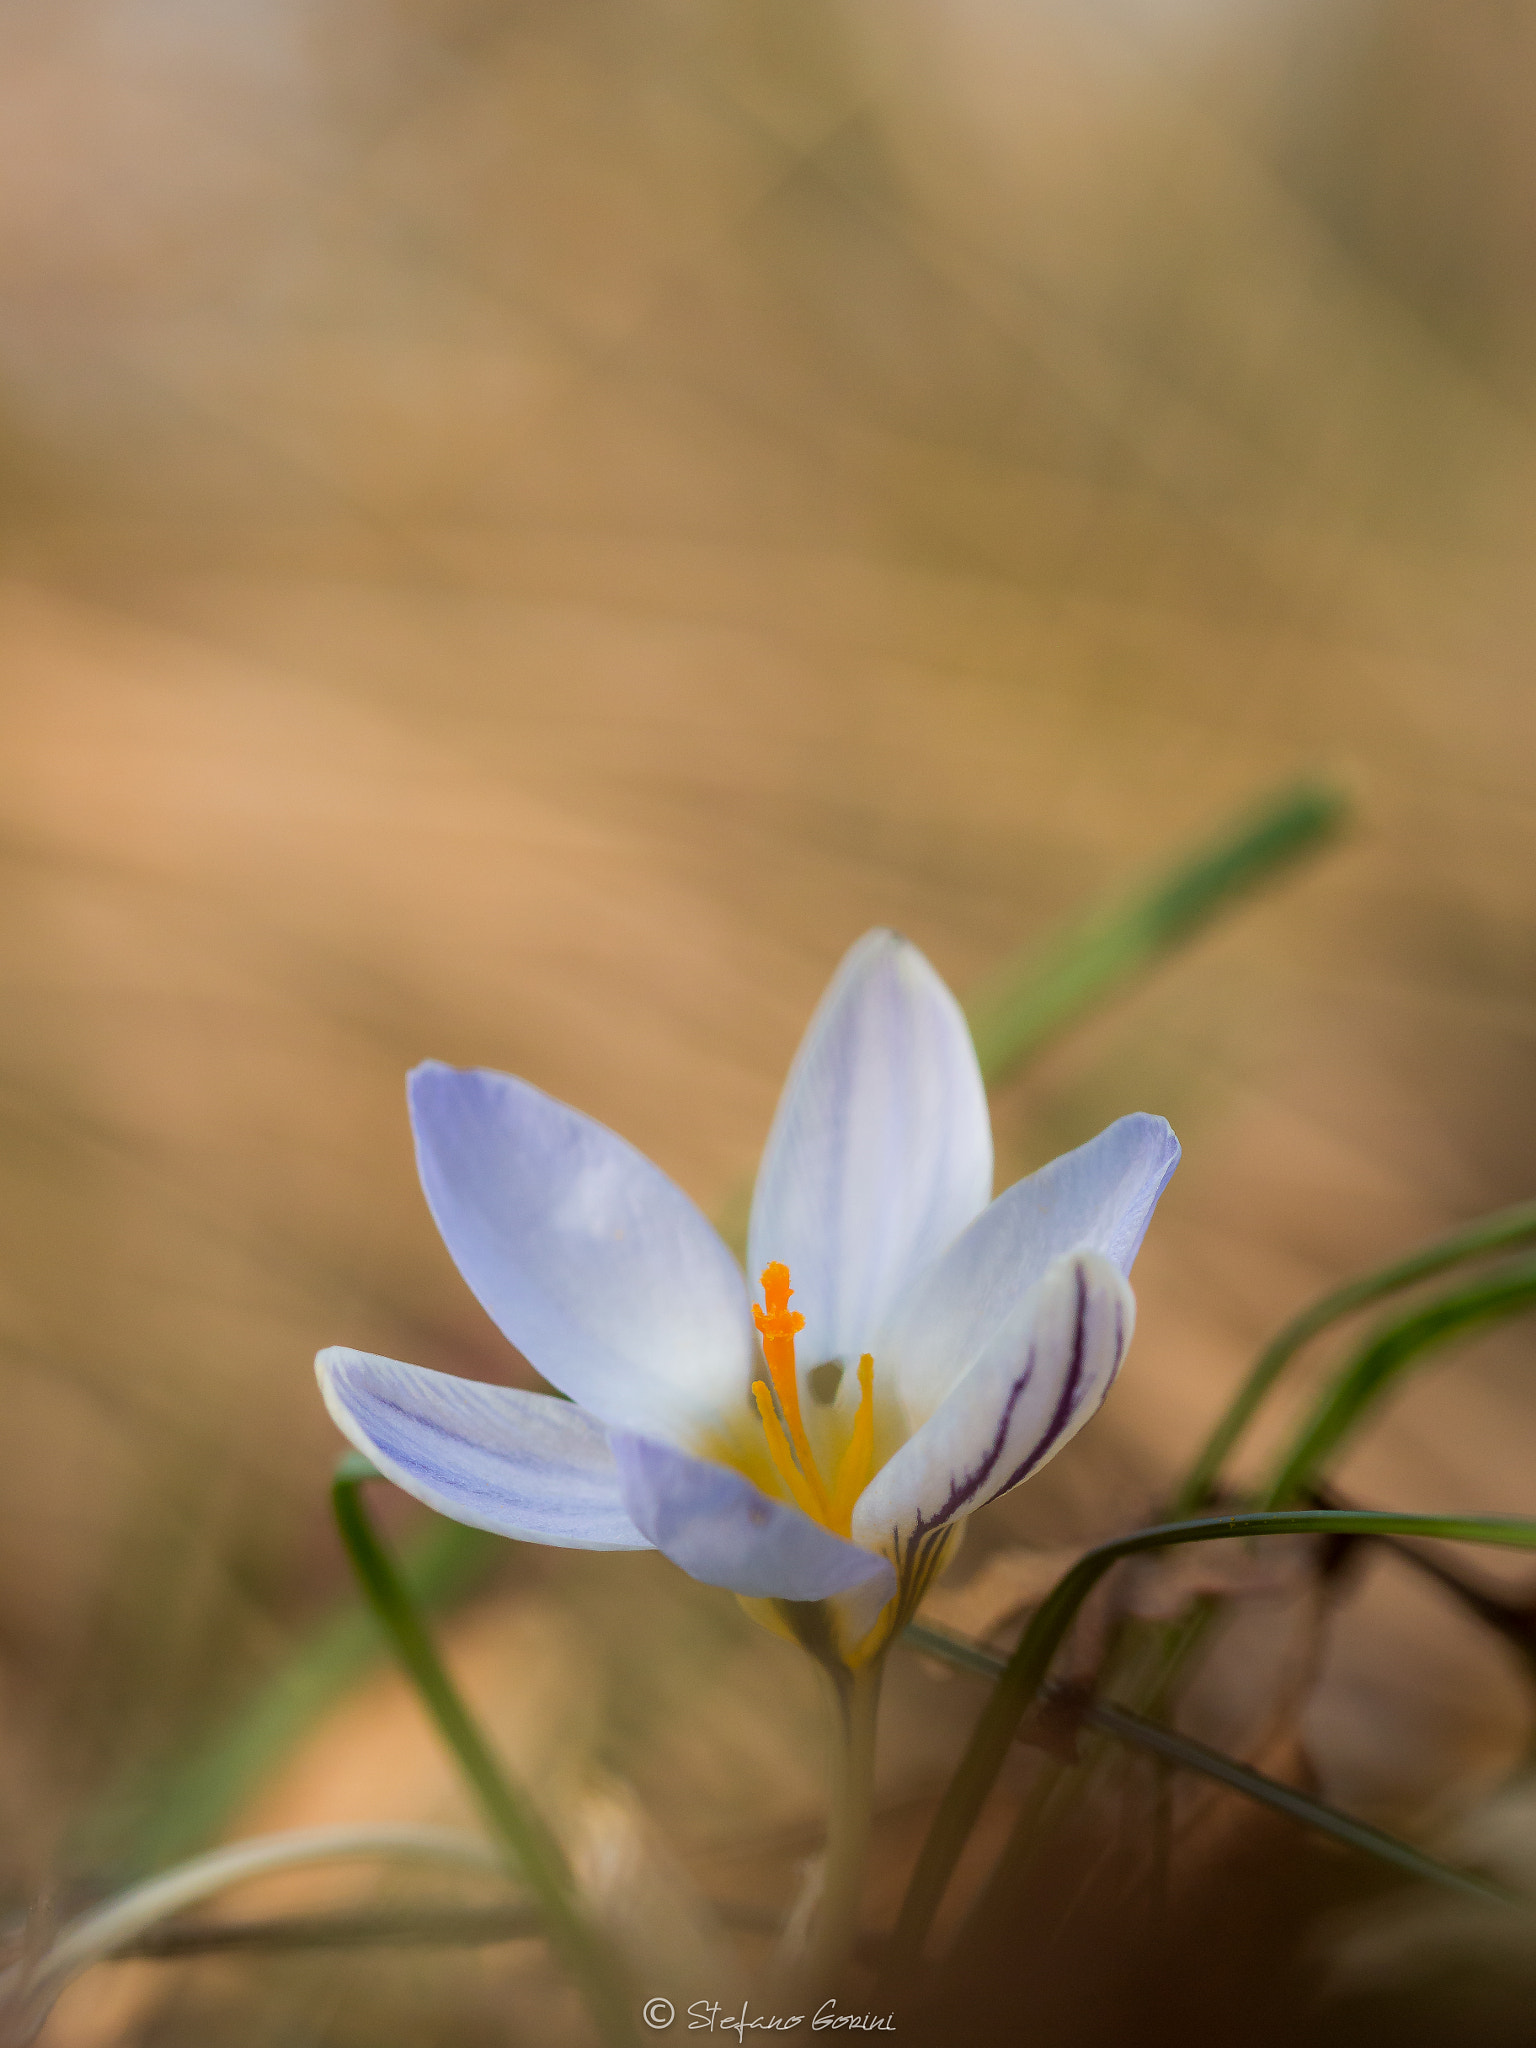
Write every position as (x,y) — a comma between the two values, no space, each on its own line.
(853,1471)
(779,1451)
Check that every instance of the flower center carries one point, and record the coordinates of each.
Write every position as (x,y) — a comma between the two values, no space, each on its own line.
(788,1445)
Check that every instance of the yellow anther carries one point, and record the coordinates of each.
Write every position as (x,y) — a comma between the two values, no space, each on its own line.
(856,1463)
(783,1458)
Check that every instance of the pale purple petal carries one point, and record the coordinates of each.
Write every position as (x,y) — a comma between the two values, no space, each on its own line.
(521,1464)
(1099,1198)
(881,1151)
(600,1270)
(1037,1382)
(724,1530)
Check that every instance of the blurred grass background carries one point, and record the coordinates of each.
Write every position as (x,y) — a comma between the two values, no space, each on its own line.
(526,528)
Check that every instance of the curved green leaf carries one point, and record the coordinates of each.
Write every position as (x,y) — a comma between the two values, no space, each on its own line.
(1493,1298)
(1489,1234)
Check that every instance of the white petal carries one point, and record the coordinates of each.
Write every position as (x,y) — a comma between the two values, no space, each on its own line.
(1099,1198)
(602,1272)
(723,1530)
(881,1151)
(1034,1386)
(521,1464)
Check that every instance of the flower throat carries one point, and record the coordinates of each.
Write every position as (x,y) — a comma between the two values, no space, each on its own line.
(788,1445)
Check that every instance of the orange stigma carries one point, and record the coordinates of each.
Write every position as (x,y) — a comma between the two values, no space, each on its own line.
(788,1445)
(777,1325)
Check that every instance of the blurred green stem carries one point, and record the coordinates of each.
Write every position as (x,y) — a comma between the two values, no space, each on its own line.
(856,1701)
(533,1852)
(1033,998)
(444,1560)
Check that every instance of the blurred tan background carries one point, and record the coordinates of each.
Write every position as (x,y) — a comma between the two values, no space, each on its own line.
(527,527)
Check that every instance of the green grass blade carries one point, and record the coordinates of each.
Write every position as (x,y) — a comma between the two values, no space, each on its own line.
(1047,988)
(1190,1755)
(1502,1231)
(533,1850)
(1513,1619)
(1025,1671)
(1492,1298)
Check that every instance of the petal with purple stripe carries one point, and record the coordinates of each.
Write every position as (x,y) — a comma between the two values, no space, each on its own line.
(1037,1381)
(499,1458)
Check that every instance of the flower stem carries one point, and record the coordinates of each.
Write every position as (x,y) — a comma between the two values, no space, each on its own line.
(856,1706)
(532,1849)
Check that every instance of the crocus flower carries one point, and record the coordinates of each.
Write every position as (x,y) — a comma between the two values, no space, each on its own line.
(941,1347)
